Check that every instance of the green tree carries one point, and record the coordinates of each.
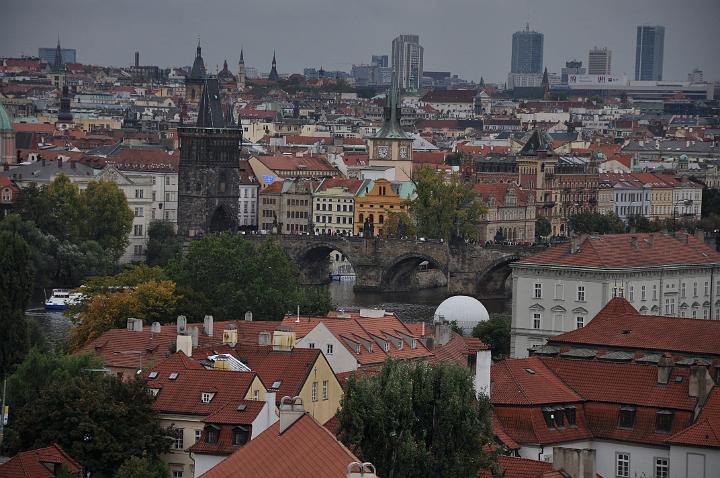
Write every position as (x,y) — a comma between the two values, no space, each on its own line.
(108,219)
(163,243)
(542,227)
(33,204)
(593,222)
(445,209)
(414,420)
(710,201)
(142,467)
(495,333)
(67,212)
(640,223)
(399,224)
(226,275)
(16,285)
(98,419)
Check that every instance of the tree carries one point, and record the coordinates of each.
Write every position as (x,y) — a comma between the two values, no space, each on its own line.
(66,209)
(153,301)
(142,467)
(542,227)
(17,277)
(108,219)
(163,243)
(97,418)
(414,420)
(445,209)
(33,204)
(495,333)
(640,223)
(226,275)
(710,201)
(593,222)
(399,224)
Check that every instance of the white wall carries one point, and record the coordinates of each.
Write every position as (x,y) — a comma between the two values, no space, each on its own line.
(694,462)
(341,359)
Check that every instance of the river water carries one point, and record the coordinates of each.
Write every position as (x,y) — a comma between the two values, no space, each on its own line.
(408,306)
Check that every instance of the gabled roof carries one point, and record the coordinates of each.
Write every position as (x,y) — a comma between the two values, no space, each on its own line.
(536,142)
(305,448)
(528,382)
(626,251)
(705,431)
(619,325)
(32,463)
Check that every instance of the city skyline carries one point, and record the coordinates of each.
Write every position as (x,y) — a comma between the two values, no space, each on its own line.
(479,40)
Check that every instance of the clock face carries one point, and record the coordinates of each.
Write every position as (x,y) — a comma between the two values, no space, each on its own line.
(382,151)
(403,152)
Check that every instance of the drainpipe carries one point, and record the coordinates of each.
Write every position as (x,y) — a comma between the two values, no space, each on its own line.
(542,451)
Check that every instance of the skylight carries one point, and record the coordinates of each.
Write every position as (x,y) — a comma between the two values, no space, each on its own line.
(173,376)
(242,407)
(276,384)
(153,375)
(530,371)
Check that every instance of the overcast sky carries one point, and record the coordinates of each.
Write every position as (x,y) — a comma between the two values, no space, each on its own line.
(468,37)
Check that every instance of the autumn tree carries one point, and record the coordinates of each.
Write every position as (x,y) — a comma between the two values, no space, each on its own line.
(414,420)
(445,208)
(399,224)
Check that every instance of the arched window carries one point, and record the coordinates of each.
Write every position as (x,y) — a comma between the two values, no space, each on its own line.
(382,219)
(222,178)
(361,217)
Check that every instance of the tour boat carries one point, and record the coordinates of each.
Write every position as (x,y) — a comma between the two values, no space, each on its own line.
(61,299)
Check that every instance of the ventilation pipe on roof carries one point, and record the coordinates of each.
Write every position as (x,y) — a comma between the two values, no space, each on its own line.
(664,366)
(208,325)
(181,324)
(291,410)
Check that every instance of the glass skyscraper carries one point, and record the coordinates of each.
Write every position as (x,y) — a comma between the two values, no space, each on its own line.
(649,53)
(527,52)
(407,61)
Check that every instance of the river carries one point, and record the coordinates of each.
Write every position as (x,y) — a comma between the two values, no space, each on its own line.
(408,306)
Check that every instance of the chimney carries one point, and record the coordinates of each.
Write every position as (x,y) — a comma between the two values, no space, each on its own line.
(248,316)
(361,470)
(130,323)
(155,328)
(194,335)
(576,242)
(291,409)
(483,361)
(700,382)
(270,400)
(575,462)
(138,327)
(442,332)
(183,344)
(181,324)
(208,325)
(664,366)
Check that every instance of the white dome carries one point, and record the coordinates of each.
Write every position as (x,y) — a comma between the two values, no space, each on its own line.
(466,311)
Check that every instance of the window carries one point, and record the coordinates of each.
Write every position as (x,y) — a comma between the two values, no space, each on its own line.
(139,212)
(570,416)
(240,435)
(314,392)
(178,445)
(167,180)
(559,291)
(138,230)
(177,473)
(663,421)
(538,291)
(329,349)
(654,291)
(198,434)
(311,345)
(642,292)
(536,320)
(622,465)
(631,293)
(325,390)
(682,290)
(211,434)
(138,250)
(206,397)
(581,293)
(707,288)
(139,194)
(627,417)
(549,416)
(661,468)
(695,288)
(669,305)
(256,395)
(580,322)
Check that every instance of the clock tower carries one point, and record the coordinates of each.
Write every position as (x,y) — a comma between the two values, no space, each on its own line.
(391,146)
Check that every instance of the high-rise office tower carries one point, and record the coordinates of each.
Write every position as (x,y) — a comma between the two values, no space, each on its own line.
(527,52)
(649,53)
(599,61)
(407,61)
(380,60)
(696,76)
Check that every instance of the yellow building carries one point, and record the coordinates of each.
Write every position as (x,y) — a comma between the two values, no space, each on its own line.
(380,198)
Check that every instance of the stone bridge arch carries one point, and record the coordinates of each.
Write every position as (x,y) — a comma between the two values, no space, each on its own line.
(401,273)
(313,259)
(492,281)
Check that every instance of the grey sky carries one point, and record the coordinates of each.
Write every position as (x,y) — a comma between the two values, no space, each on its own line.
(468,37)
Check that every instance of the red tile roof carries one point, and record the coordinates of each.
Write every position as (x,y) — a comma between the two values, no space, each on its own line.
(619,325)
(29,464)
(705,431)
(499,191)
(528,382)
(625,251)
(292,163)
(449,96)
(305,448)
(352,185)
(227,418)
(516,467)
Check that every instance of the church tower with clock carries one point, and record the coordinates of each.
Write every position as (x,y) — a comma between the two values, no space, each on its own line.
(391,146)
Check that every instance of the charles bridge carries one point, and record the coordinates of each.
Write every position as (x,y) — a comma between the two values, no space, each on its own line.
(391,264)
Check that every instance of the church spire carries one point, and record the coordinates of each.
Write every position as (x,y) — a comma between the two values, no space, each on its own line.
(58,63)
(242,60)
(199,50)
(546,85)
(273,76)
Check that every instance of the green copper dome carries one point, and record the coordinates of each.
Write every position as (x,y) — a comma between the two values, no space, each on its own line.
(5,123)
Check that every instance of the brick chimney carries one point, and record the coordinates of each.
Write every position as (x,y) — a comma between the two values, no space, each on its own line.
(291,410)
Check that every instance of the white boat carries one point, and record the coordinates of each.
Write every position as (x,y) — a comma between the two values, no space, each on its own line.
(61,299)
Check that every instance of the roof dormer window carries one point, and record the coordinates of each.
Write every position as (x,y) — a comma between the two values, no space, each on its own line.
(206,397)
(663,421)
(626,418)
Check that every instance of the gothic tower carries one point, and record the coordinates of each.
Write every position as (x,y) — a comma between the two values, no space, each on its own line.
(195,82)
(273,76)
(241,72)
(209,180)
